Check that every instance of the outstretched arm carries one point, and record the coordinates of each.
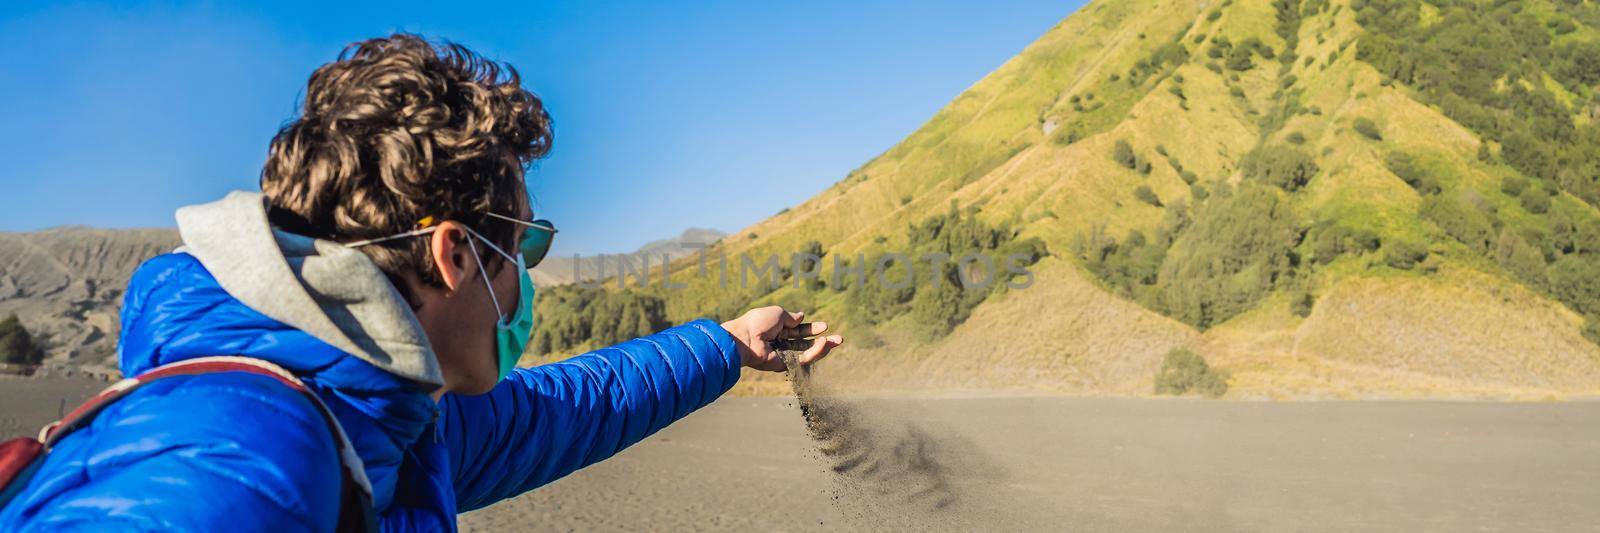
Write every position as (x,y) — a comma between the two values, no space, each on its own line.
(542,423)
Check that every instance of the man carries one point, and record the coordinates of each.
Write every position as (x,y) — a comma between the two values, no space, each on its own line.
(380,266)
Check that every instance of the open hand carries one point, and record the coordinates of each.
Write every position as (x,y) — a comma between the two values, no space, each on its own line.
(759,327)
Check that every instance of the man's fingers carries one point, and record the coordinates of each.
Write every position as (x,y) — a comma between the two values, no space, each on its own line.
(820,348)
(805,330)
(792,319)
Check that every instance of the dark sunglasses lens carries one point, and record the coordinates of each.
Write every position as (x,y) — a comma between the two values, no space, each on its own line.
(536,243)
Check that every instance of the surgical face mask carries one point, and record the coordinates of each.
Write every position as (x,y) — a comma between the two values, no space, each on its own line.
(511,332)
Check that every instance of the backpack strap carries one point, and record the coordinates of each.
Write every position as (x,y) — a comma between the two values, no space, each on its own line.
(355,508)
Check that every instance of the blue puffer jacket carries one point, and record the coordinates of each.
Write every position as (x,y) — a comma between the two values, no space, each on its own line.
(236,452)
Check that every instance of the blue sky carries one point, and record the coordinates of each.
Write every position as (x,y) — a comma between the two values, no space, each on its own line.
(668,115)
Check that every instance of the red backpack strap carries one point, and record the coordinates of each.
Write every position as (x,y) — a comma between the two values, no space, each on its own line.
(204,365)
(355,513)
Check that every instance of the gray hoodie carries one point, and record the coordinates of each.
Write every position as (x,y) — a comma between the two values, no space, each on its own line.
(328,290)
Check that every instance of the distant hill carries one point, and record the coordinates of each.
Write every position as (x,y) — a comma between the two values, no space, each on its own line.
(562,270)
(66,284)
(1366,198)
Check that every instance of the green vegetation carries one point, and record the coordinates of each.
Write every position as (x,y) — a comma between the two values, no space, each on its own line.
(1182,372)
(1462,220)
(1124,155)
(1485,65)
(1330,240)
(1144,194)
(1237,248)
(1280,166)
(870,301)
(1408,170)
(1519,258)
(17,346)
(1240,57)
(1404,254)
(1160,61)
(1535,201)
(1286,105)
(1517,207)
(949,290)
(1513,185)
(811,249)
(571,317)
(1367,128)
(1289,14)
(1576,279)
(1065,136)
(1302,304)
(1509,72)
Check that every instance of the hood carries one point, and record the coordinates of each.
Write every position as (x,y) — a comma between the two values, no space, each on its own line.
(318,309)
(329,291)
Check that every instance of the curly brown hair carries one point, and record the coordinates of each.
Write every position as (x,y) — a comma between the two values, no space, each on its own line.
(398,129)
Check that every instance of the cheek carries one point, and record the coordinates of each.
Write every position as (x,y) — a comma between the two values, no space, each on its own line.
(507,289)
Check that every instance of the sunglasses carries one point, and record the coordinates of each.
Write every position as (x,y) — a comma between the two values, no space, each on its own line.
(536,238)
(533,244)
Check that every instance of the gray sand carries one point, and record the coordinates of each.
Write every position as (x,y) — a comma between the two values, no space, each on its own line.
(1051,463)
(1113,465)
(27,404)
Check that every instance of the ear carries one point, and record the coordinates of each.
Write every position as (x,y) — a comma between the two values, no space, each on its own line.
(452,254)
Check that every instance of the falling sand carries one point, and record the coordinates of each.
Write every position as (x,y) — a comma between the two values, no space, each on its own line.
(885,468)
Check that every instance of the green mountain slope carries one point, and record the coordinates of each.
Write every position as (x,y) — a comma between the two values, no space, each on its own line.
(1321,198)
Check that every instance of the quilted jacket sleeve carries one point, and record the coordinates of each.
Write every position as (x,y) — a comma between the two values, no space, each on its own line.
(545,422)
